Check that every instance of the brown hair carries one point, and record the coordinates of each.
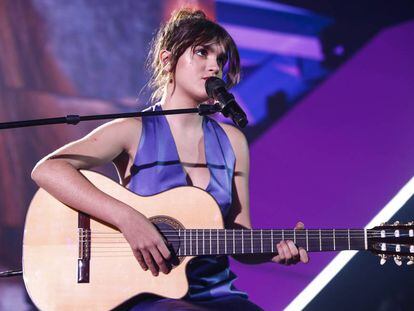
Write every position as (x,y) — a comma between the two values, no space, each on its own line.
(188,28)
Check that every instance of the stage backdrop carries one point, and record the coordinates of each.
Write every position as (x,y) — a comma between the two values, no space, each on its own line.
(340,153)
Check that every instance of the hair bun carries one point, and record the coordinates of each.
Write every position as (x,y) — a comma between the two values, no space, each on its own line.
(187,13)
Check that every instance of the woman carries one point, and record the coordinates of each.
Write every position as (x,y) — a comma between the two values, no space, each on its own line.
(182,150)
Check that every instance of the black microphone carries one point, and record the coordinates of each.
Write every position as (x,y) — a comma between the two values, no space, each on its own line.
(216,89)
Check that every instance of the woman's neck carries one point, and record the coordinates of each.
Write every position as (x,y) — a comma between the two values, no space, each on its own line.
(174,100)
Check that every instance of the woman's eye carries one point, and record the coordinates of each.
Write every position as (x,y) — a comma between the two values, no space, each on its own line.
(201,52)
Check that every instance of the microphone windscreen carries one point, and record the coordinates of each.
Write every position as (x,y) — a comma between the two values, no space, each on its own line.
(212,84)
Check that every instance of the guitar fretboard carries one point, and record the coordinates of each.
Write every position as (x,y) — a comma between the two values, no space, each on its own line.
(193,242)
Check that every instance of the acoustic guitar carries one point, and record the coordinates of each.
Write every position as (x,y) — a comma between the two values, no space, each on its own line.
(74,262)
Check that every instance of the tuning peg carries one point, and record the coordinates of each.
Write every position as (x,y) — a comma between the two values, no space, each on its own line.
(383,259)
(411,261)
(383,224)
(396,223)
(397,260)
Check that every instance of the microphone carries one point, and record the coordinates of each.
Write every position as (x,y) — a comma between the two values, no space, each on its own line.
(216,89)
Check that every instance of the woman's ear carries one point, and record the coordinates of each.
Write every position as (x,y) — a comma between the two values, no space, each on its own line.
(165,57)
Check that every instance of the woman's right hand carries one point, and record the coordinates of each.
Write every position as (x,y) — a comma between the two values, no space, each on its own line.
(147,244)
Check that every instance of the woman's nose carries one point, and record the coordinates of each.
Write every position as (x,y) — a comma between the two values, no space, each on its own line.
(214,67)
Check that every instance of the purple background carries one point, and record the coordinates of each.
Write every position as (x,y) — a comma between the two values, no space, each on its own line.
(333,160)
(336,159)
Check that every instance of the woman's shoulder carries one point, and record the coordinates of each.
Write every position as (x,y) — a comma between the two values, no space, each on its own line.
(122,126)
(236,137)
(121,132)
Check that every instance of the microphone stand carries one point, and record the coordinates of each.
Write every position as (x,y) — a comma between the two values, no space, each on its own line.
(202,110)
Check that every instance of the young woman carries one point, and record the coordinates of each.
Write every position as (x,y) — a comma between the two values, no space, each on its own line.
(182,150)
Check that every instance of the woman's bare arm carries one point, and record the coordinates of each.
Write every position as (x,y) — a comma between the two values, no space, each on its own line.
(58,173)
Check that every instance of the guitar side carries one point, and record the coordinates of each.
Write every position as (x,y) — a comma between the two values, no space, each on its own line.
(51,249)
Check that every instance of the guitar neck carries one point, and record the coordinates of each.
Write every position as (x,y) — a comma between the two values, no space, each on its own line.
(195,242)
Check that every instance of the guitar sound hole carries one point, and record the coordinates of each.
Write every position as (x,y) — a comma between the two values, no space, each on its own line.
(169,227)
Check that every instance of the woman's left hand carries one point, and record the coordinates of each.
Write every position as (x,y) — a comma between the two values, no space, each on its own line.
(288,253)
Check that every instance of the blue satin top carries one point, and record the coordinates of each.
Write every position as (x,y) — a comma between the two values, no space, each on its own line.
(157,168)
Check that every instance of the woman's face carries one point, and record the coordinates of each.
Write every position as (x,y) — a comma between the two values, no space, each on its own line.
(194,67)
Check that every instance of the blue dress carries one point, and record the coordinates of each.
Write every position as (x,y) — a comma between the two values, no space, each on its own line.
(157,168)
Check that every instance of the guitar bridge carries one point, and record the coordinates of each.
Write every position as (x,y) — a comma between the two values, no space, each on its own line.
(84,248)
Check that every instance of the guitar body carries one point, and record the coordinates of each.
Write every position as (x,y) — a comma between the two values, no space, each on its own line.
(93,268)
(51,249)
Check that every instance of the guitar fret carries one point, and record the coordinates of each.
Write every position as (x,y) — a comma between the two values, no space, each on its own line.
(197,241)
(185,243)
(210,241)
(271,239)
(234,244)
(320,240)
(179,238)
(225,241)
(307,240)
(261,240)
(294,236)
(191,244)
(204,250)
(251,240)
(242,240)
(334,245)
(349,240)
(218,251)
(365,239)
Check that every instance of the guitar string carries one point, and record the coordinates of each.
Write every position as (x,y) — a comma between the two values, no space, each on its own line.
(248,235)
(125,247)
(206,251)
(338,239)
(222,252)
(247,246)
(174,238)
(230,232)
(247,240)
(264,231)
(229,242)
(256,230)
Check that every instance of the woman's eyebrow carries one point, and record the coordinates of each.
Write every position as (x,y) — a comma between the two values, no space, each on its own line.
(211,48)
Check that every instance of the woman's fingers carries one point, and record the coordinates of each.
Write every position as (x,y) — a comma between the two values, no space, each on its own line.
(303,255)
(289,253)
(153,260)
(293,251)
(285,256)
(280,258)
(300,226)
(160,261)
(150,262)
(140,259)
(165,252)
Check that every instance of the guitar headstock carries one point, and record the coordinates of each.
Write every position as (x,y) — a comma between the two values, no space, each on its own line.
(393,240)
